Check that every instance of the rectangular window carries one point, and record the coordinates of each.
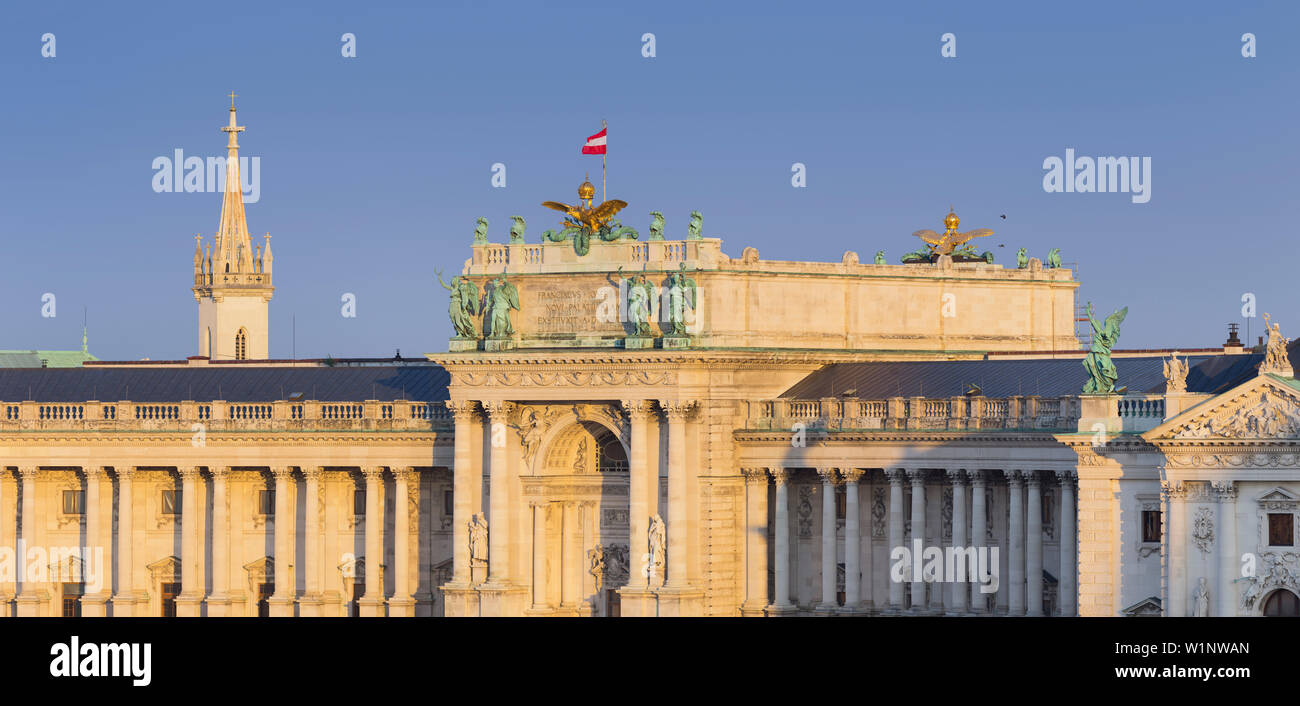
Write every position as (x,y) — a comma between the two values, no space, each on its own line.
(171,502)
(1281,529)
(448,503)
(168,598)
(841,503)
(72,599)
(74,502)
(264,593)
(1150,525)
(359,502)
(266,502)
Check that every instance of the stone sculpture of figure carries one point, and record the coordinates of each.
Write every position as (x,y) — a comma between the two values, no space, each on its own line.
(1054,258)
(1275,355)
(679,298)
(517,230)
(501,300)
(530,433)
(880,257)
(597,568)
(638,304)
(463,305)
(1201,600)
(693,231)
(478,540)
(1101,370)
(655,569)
(1022,259)
(480,231)
(1176,374)
(656,226)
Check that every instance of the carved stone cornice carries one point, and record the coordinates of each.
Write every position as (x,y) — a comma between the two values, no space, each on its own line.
(1248,457)
(576,378)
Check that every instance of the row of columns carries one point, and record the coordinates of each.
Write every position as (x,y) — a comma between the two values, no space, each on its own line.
(1025,535)
(192,595)
(1177,499)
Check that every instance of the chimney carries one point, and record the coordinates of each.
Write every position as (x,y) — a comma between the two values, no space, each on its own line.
(1233,344)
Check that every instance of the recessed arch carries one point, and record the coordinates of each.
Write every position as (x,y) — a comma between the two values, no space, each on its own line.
(241,344)
(1281,603)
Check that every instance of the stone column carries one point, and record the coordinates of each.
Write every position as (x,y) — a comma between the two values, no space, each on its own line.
(29,598)
(677,412)
(852,541)
(959,591)
(829,565)
(639,488)
(465,475)
(1069,542)
(124,599)
(1176,538)
(1016,538)
(191,596)
(538,515)
(98,555)
(1034,545)
(8,543)
(781,601)
(401,605)
(896,477)
(281,601)
(499,497)
(372,602)
(755,544)
(219,601)
(979,536)
(1225,534)
(917,476)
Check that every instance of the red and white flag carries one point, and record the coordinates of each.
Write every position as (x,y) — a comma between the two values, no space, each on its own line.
(595,143)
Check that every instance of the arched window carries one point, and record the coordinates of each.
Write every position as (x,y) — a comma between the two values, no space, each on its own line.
(241,345)
(1282,603)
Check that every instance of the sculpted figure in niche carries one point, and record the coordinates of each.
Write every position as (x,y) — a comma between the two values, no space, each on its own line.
(655,568)
(1201,600)
(478,540)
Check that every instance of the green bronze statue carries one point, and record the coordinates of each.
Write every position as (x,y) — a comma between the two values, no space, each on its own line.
(680,298)
(501,298)
(880,257)
(656,226)
(480,231)
(1022,259)
(1054,258)
(694,229)
(639,295)
(1101,371)
(463,305)
(517,230)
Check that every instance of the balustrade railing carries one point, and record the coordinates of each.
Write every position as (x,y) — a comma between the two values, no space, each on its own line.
(1020,412)
(396,415)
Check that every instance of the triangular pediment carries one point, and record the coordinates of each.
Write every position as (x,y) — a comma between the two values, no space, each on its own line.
(1145,607)
(1266,408)
(1279,495)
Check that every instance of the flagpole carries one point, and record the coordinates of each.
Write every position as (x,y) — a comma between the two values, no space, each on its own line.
(602,164)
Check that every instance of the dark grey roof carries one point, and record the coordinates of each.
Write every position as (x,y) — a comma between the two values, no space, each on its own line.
(1004,378)
(235,383)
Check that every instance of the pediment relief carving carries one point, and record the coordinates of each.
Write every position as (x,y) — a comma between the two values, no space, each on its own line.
(1266,412)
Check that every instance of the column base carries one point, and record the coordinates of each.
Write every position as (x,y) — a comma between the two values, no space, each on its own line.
(189,605)
(753,609)
(371,607)
(280,606)
(31,604)
(218,605)
(94,605)
(680,602)
(856,609)
(310,606)
(401,607)
(782,611)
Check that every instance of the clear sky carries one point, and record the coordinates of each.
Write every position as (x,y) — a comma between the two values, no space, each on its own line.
(374,168)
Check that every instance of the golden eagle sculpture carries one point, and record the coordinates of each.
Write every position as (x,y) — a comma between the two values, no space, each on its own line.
(583,221)
(950,242)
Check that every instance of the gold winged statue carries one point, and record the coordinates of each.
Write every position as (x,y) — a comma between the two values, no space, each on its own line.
(585,216)
(951,240)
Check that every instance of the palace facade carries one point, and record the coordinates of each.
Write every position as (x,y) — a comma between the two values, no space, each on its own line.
(649,427)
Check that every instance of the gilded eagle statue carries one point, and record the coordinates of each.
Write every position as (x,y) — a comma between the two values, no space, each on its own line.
(586,220)
(950,243)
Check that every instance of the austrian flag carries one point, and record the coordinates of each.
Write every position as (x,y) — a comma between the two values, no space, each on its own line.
(595,143)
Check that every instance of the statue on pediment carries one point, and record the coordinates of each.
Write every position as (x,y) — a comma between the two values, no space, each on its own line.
(1054,258)
(1022,259)
(1101,371)
(695,227)
(480,231)
(656,226)
(517,229)
(680,298)
(502,297)
(1176,374)
(880,257)
(1276,360)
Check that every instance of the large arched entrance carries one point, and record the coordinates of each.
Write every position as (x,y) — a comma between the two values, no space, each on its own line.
(1281,603)
(577,500)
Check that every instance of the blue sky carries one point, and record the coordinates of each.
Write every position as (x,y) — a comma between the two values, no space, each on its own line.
(374,168)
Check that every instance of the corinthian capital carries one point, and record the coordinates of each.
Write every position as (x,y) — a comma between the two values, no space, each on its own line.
(678,410)
(498,410)
(638,410)
(462,410)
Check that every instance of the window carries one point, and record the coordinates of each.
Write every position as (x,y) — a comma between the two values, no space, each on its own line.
(358,590)
(1281,529)
(74,502)
(358,502)
(241,345)
(264,592)
(171,502)
(266,502)
(841,503)
(1150,525)
(448,503)
(72,599)
(169,592)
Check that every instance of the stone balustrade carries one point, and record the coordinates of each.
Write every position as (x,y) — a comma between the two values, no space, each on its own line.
(921,413)
(218,415)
